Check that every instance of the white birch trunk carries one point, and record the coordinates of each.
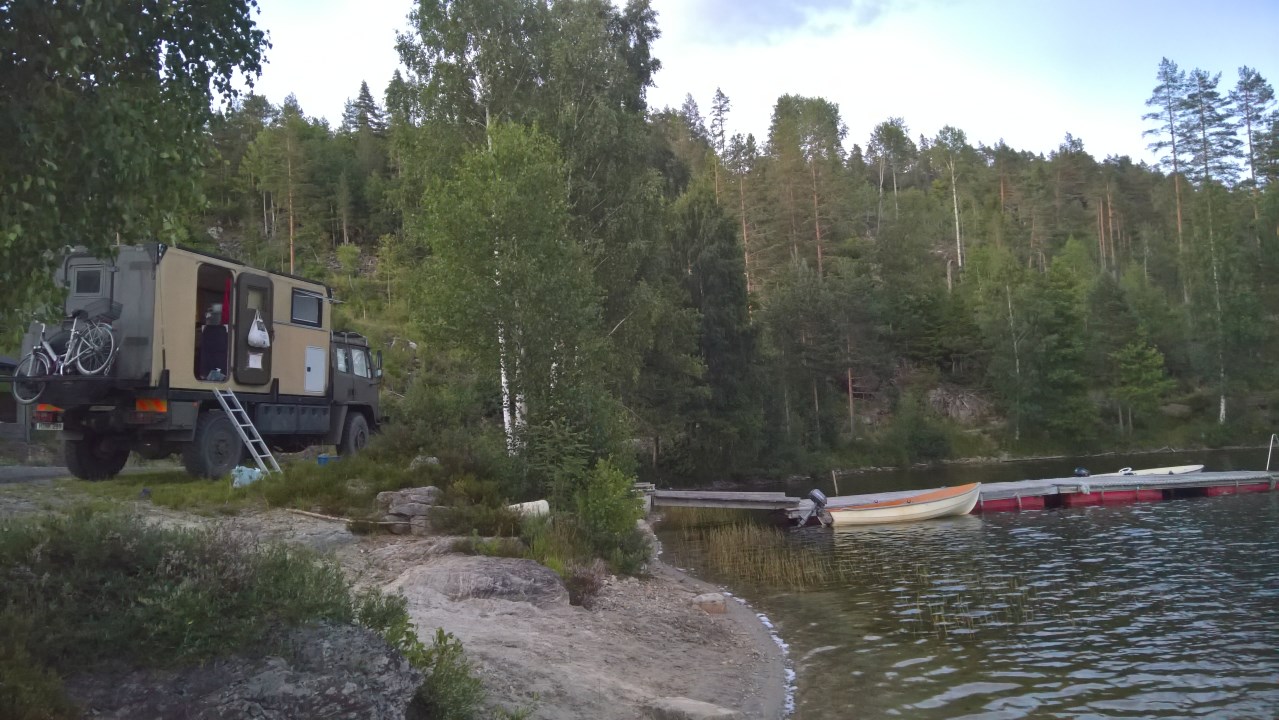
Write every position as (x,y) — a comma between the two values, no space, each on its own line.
(954,196)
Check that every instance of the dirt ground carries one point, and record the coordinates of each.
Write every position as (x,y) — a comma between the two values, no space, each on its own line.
(642,641)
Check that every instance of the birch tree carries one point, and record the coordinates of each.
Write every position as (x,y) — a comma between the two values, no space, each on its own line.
(1214,147)
(506,283)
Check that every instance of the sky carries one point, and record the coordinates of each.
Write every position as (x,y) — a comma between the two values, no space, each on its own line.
(1024,71)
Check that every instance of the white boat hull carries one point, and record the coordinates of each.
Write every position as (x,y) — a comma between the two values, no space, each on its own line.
(1172,470)
(908,509)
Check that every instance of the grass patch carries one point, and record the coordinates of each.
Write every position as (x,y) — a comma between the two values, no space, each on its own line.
(86,589)
(172,489)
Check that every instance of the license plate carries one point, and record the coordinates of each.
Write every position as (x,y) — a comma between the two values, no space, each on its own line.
(48,426)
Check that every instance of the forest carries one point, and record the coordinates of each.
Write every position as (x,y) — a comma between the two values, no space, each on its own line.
(553,266)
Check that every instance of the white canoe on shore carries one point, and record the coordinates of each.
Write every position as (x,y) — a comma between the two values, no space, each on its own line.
(1172,470)
(925,505)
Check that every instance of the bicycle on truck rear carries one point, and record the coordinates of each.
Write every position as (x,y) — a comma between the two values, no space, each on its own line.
(84,346)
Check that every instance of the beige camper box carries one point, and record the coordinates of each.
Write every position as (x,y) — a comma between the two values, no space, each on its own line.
(183,329)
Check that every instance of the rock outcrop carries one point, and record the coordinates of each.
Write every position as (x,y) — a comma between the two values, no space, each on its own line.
(682,708)
(328,671)
(462,577)
(410,511)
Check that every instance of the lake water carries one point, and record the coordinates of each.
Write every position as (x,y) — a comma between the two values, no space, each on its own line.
(1158,610)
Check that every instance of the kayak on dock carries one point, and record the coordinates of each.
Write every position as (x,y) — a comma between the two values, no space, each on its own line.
(1173,470)
(923,505)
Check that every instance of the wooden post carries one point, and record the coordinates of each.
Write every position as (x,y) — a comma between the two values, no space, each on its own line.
(834,480)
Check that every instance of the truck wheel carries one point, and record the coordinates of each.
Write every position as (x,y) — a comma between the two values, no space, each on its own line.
(355,434)
(216,448)
(95,457)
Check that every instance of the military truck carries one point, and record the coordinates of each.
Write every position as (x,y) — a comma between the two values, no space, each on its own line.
(181,323)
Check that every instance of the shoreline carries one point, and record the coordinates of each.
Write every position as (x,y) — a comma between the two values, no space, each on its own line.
(642,644)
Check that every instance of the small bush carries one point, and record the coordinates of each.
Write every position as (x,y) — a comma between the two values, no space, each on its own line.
(584,582)
(606,503)
(451,690)
(492,546)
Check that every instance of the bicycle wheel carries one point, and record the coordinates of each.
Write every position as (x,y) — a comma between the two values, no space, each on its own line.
(94,349)
(33,365)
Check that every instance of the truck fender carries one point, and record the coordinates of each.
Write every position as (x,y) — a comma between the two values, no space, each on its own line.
(337,421)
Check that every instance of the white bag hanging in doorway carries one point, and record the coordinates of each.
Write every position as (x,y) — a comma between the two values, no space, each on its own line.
(258,336)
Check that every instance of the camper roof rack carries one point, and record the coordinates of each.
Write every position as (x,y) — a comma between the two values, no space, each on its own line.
(350,336)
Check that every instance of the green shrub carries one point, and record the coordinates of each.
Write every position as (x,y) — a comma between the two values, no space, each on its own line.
(606,504)
(347,487)
(507,547)
(84,589)
(451,690)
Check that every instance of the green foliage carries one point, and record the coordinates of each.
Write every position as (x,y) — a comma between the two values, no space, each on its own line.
(88,589)
(347,487)
(451,691)
(103,128)
(917,435)
(475,506)
(606,504)
(1142,382)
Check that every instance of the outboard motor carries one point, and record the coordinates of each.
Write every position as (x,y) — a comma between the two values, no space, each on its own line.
(819,503)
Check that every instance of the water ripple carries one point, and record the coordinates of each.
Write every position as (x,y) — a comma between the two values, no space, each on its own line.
(1160,610)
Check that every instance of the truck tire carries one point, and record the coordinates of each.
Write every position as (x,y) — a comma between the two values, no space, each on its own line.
(355,434)
(95,457)
(215,449)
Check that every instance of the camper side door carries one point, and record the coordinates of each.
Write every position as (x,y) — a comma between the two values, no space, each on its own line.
(253,298)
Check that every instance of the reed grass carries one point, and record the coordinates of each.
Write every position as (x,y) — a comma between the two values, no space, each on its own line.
(682,518)
(928,596)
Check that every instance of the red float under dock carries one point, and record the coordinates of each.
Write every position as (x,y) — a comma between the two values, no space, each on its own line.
(1237,489)
(1112,497)
(1011,504)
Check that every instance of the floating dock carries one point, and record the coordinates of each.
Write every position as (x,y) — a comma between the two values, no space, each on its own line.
(1005,496)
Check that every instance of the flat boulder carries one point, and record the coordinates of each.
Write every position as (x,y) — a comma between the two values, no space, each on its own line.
(682,708)
(711,603)
(427,495)
(464,577)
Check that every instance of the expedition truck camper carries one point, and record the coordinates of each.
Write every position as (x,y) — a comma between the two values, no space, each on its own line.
(181,323)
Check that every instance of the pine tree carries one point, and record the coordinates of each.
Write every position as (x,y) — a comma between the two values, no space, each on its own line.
(1167,100)
(719,114)
(1253,99)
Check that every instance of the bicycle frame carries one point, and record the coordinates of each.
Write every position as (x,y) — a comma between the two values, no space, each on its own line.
(58,364)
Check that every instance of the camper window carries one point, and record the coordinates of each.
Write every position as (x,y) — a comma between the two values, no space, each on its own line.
(87,281)
(343,360)
(308,308)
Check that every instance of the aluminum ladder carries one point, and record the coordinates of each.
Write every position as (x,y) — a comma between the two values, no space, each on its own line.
(247,430)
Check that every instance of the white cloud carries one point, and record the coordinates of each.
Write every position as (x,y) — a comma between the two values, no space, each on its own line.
(322,50)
